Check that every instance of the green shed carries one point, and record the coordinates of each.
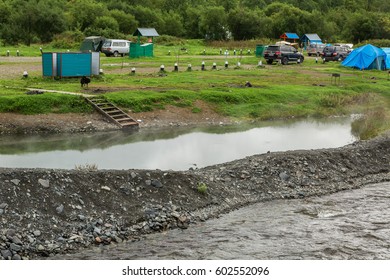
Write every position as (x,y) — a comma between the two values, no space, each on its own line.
(260,50)
(138,50)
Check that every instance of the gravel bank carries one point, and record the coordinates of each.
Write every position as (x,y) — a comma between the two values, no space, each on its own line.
(49,212)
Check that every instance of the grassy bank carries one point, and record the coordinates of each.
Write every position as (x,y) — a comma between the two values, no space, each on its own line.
(278,91)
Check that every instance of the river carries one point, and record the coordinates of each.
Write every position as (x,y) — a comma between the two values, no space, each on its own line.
(346,225)
(173,148)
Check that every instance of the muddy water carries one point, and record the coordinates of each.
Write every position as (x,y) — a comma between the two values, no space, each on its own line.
(346,225)
(173,148)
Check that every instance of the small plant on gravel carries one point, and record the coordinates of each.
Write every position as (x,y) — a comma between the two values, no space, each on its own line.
(202,188)
(86,167)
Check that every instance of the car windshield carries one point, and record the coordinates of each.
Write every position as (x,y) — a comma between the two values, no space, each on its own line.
(273,48)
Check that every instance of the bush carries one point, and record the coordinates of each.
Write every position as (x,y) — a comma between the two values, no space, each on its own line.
(68,40)
(380,43)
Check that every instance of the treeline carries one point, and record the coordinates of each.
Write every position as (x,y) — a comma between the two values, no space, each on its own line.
(42,21)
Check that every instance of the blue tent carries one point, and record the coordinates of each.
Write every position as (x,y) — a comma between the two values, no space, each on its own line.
(387,51)
(365,58)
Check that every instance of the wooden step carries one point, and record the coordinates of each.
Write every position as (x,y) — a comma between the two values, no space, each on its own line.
(112,112)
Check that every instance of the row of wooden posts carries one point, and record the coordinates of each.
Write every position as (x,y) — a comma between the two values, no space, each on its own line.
(8,53)
(203,66)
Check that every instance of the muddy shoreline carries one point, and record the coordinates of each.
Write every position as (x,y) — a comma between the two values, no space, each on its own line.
(46,212)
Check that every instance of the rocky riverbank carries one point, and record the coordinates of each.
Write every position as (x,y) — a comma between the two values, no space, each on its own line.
(56,212)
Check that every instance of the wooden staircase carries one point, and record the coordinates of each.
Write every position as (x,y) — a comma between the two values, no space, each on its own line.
(112,112)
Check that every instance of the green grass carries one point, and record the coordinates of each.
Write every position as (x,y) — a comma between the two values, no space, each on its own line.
(278,91)
(43,103)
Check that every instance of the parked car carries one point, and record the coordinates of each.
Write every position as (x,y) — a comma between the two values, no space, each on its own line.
(334,53)
(315,49)
(282,53)
(116,47)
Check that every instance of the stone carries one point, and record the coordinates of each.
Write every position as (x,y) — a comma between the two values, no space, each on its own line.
(105,188)
(15,247)
(3,205)
(37,233)
(16,257)
(284,176)
(6,254)
(10,232)
(156,183)
(60,209)
(15,182)
(133,175)
(44,183)
(81,217)
(16,240)
(148,182)
(40,247)
(97,230)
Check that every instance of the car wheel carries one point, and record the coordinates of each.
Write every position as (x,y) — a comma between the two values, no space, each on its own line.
(341,58)
(309,54)
(269,61)
(302,58)
(285,60)
(116,54)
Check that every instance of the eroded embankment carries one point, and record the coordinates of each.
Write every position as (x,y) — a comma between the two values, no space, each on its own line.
(45,212)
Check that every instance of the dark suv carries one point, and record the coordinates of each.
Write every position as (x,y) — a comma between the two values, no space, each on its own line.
(334,53)
(283,53)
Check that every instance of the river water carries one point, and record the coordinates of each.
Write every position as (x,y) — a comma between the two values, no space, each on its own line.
(173,148)
(346,225)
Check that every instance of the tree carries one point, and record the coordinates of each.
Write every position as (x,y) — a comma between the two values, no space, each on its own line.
(246,24)
(147,17)
(33,20)
(173,24)
(83,13)
(213,24)
(191,23)
(104,26)
(363,26)
(127,22)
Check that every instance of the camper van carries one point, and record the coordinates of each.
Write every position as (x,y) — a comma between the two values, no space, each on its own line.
(116,47)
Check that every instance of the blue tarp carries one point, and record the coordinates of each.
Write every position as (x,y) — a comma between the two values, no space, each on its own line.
(366,58)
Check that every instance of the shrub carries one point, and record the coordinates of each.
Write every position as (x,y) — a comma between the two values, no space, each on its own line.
(202,188)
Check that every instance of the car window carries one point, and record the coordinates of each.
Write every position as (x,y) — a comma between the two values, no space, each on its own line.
(107,44)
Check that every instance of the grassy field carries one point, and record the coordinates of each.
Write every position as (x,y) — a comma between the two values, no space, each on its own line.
(279,91)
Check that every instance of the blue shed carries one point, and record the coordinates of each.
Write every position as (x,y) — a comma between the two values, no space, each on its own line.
(70,64)
(308,39)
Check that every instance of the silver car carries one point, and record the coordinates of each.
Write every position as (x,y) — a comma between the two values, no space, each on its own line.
(116,47)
